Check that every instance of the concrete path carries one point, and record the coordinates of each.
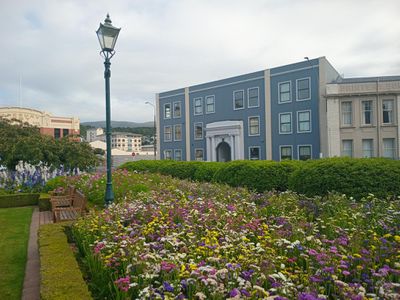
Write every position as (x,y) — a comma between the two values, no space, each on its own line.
(31,289)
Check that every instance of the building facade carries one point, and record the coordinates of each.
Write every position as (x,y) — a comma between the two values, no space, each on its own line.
(273,114)
(56,127)
(363,117)
(92,133)
(124,141)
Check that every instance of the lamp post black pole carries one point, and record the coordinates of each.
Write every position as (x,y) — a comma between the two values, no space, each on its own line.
(109,197)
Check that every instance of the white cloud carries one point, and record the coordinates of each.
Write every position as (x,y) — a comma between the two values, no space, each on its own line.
(166,45)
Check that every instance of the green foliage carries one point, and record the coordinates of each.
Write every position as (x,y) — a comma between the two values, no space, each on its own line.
(180,169)
(256,175)
(16,200)
(52,184)
(44,202)
(61,277)
(353,177)
(206,171)
(152,166)
(149,131)
(15,224)
(22,142)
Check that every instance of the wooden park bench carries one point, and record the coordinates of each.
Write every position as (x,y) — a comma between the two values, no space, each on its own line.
(65,211)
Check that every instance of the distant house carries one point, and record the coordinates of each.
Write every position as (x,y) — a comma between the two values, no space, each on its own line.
(56,127)
(125,141)
(93,133)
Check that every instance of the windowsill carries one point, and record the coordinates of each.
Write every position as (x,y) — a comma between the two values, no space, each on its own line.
(389,125)
(367,126)
(347,127)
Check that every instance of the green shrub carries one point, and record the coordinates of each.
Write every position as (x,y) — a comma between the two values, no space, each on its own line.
(205,171)
(44,202)
(60,275)
(152,166)
(256,175)
(16,200)
(180,169)
(353,177)
(52,184)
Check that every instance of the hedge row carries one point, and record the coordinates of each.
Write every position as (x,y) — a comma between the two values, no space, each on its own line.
(60,275)
(17,200)
(350,176)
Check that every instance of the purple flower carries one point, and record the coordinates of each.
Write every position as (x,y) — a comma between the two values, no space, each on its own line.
(308,296)
(168,287)
(245,292)
(234,293)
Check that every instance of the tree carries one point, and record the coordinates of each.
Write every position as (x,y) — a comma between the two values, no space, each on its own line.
(23,142)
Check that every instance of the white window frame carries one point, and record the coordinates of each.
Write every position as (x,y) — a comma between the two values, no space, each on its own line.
(199,149)
(206,105)
(258,97)
(291,122)
(342,148)
(201,106)
(170,111)
(393,149)
(248,125)
(306,145)
(259,152)
(298,121)
(370,150)
(390,112)
(364,111)
(285,146)
(342,112)
(234,106)
(175,151)
(194,131)
(168,126)
(279,92)
(165,151)
(180,109)
(175,126)
(309,89)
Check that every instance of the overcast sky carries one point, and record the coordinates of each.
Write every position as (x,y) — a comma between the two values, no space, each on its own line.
(50,46)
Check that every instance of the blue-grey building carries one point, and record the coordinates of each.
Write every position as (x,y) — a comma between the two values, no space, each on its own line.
(273,114)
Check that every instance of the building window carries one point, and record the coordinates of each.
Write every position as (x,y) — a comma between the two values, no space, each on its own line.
(238,100)
(284,92)
(254,153)
(285,123)
(198,106)
(305,152)
(253,97)
(178,154)
(198,131)
(167,133)
(304,121)
(347,148)
(177,109)
(210,104)
(387,109)
(199,154)
(167,154)
(286,152)
(303,89)
(368,148)
(389,148)
(347,113)
(65,132)
(57,133)
(178,132)
(167,111)
(366,112)
(254,125)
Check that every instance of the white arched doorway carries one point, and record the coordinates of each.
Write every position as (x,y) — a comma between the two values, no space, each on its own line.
(225,141)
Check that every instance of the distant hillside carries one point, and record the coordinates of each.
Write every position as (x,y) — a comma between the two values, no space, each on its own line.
(118,124)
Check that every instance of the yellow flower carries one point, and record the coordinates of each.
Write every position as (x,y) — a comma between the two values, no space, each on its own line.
(397,238)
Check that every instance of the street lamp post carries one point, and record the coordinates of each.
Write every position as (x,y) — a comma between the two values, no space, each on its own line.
(154,118)
(107,35)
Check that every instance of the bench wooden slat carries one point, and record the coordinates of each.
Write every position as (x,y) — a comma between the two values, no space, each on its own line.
(64,211)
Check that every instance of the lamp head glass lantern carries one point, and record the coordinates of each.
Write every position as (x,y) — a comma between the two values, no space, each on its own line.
(107,35)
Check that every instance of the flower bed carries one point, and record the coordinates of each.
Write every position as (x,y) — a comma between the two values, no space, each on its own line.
(202,241)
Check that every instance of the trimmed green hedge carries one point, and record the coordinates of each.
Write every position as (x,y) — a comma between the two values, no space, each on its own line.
(44,202)
(61,277)
(17,200)
(350,176)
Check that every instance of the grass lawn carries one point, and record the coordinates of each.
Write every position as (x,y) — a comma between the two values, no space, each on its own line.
(14,226)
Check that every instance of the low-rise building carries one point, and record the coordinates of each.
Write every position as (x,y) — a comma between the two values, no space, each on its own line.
(93,133)
(124,141)
(56,127)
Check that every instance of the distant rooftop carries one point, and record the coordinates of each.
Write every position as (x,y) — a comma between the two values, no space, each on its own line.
(366,79)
